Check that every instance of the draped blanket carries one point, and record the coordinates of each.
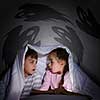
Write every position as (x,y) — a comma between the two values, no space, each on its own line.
(81,83)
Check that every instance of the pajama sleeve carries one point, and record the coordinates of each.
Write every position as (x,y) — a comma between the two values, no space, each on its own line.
(46,81)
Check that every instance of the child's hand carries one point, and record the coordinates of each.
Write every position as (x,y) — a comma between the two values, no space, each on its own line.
(37,92)
(60,90)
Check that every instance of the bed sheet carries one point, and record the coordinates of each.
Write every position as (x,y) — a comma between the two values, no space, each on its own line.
(56,97)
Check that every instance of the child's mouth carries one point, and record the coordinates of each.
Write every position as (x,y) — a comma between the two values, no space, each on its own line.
(59,72)
(33,69)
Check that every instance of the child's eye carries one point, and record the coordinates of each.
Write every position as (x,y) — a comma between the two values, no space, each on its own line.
(33,62)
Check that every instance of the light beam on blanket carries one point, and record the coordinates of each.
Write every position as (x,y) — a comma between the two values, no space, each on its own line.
(39,25)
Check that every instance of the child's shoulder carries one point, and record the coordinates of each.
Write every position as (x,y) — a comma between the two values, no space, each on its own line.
(36,73)
(48,72)
(67,74)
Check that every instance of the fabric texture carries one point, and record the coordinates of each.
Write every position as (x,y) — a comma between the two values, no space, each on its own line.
(52,80)
(14,80)
(81,83)
(31,82)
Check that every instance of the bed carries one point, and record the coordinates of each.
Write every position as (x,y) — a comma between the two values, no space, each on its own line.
(56,97)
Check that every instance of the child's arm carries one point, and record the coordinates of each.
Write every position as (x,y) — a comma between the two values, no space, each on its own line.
(37,92)
(46,81)
(58,91)
(37,80)
(45,86)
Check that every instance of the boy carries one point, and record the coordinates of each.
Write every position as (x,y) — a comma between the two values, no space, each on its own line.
(23,77)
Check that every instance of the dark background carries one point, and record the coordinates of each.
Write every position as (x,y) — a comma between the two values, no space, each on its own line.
(89,35)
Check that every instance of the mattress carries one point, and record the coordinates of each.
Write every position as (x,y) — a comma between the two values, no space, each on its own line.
(56,97)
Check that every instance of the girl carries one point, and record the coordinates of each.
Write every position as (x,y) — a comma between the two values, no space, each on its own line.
(57,74)
(57,77)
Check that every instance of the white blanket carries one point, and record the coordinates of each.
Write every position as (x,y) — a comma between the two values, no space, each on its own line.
(81,82)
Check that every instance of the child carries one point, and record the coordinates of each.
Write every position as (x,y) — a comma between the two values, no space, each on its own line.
(57,75)
(23,78)
(32,79)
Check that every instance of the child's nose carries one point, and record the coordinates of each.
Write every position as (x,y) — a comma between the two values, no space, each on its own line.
(34,65)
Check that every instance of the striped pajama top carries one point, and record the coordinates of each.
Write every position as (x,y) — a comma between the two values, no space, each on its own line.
(31,82)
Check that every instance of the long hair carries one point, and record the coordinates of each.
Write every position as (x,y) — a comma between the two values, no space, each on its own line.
(62,54)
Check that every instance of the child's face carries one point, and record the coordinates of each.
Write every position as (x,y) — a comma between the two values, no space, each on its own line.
(29,65)
(54,64)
